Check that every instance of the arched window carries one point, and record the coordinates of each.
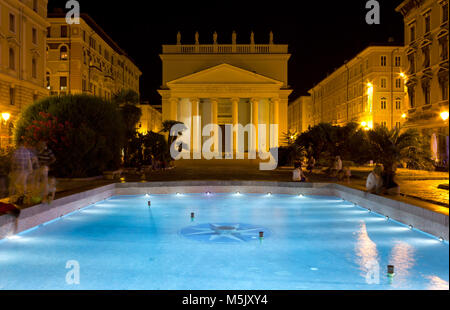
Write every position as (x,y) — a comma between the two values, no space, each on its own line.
(12,59)
(383,103)
(398,103)
(63,55)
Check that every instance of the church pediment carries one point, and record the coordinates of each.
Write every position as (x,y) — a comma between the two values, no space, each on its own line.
(224,74)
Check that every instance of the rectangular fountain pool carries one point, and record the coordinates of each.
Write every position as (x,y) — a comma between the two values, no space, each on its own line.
(223,242)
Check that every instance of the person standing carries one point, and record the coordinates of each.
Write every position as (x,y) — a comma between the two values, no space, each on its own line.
(311,164)
(21,169)
(46,158)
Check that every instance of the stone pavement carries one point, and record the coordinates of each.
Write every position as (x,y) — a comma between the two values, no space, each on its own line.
(420,184)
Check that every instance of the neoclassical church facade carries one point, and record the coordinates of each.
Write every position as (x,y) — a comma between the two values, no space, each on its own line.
(227,84)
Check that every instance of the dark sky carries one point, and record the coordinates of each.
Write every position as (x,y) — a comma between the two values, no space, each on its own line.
(321,34)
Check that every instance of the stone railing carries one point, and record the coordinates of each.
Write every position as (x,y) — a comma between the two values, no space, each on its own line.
(226,49)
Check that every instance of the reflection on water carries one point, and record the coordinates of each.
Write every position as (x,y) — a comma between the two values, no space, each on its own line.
(437,283)
(366,250)
(402,257)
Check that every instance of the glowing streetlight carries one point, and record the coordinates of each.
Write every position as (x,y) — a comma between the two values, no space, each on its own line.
(444,115)
(6,116)
(404,115)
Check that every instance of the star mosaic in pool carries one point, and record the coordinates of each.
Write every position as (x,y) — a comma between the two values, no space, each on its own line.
(224,232)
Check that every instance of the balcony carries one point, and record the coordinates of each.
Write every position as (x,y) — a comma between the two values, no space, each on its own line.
(226,49)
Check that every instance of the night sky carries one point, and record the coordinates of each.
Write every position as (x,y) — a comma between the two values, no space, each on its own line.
(321,34)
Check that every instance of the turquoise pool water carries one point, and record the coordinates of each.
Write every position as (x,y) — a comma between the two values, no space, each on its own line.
(310,242)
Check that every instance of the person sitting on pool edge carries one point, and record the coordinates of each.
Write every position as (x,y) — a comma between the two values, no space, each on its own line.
(297,174)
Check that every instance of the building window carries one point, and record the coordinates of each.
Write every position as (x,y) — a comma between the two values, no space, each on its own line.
(63,83)
(412,98)
(427,24)
(412,33)
(34,68)
(34,36)
(445,12)
(49,32)
(12,22)
(84,85)
(12,96)
(84,35)
(47,79)
(383,83)
(12,59)
(35,5)
(63,31)
(426,57)
(398,61)
(444,89)
(383,61)
(444,48)
(412,64)
(426,94)
(398,83)
(383,103)
(384,124)
(398,104)
(63,55)
(398,125)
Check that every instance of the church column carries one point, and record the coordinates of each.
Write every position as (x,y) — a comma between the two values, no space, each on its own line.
(173,108)
(254,137)
(235,111)
(275,103)
(195,130)
(214,119)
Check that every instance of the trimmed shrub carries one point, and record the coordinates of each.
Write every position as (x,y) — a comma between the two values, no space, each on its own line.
(84,132)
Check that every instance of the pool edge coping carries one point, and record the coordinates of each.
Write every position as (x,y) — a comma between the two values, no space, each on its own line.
(428,221)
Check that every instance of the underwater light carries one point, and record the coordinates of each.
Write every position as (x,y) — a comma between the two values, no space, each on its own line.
(301,195)
(387,218)
(411,227)
(269,194)
(441,239)
(238,193)
(147,195)
(370,210)
(178,194)
(208,193)
(13,237)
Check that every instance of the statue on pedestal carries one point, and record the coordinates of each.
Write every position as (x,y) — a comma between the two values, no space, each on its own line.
(196,38)
(252,38)
(215,37)
(233,38)
(178,38)
(271,38)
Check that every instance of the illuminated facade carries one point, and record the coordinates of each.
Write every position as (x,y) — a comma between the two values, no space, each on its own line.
(426,48)
(369,90)
(84,59)
(22,60)
(300,116)
(226,84)
(150,119)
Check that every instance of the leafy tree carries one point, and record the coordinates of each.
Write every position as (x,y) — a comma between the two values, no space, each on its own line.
(126,101)
(92,138)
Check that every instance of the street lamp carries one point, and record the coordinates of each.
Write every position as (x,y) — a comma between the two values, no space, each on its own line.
(6,116)
(444,115)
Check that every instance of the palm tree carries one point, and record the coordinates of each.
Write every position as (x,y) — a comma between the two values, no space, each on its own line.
(166,127)
(391,147)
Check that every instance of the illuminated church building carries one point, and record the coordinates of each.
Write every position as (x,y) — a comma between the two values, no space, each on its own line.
(227,84)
